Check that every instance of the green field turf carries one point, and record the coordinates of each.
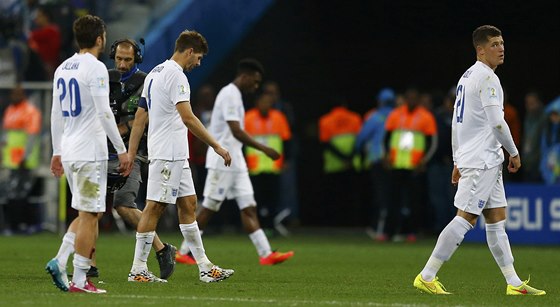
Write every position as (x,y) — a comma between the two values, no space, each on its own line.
(327,270)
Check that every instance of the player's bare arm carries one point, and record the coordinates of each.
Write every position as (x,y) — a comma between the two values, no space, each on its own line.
(197,128)
(246,139)
(140,121)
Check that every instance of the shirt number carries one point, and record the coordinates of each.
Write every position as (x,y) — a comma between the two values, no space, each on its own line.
(73,91)
(460,103)
(150,94)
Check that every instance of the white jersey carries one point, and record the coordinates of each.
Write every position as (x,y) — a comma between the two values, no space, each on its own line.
(164,87)
(475,145)
(81,118)
(228,107)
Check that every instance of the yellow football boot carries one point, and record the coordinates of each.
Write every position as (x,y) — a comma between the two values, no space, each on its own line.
(431,287)
(524,289)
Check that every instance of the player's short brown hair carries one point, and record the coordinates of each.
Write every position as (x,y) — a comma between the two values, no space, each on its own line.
(191,39)
(481,34)
(87,29)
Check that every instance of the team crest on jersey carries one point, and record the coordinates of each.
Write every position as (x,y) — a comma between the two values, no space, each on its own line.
(492,92)
(101,82)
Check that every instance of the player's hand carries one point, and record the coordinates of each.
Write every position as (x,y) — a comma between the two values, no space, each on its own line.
(224,154)
(514,164)
(271,153)
(455,176)
(56,166)
(125,164)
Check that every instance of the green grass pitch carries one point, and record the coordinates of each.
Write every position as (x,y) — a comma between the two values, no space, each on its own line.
(327,270)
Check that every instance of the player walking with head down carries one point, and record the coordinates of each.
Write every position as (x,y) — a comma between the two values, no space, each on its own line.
(81,121)
(126,84)
(478,133)
(166,95)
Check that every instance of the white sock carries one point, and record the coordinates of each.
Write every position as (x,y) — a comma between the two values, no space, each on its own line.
(185,246)
(498,242)
(448,241)
(144,241)
(191,233)
(81,266)
(66,248)
(260,241)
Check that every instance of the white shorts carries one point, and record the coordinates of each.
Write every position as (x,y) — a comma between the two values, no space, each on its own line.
(169,180)
(88,184)
(220,185)
(480,189)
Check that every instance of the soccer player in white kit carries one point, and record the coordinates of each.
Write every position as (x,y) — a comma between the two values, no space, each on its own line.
(227,125)
(81,121)
(166,96)
(479,132)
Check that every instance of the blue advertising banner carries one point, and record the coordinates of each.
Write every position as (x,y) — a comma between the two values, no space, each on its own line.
(533,215)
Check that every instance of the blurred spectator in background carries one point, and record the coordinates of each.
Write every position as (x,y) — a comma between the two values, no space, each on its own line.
(370,142)
(288,201)
(440,167)
(412,141)
(550,144)
(514,122)
(13,52)
(20,154)
(338,130)
(45,39)
(269,127)
(532,130)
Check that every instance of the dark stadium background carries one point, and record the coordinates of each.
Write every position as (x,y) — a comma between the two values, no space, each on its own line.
(318,50)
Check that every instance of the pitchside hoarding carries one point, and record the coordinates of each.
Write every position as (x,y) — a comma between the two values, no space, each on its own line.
(533,215)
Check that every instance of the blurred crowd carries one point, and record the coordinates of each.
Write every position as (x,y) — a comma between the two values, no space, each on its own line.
(404,144)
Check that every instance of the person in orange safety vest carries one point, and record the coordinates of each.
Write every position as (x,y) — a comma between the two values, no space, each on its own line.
(21,126)
(270,127)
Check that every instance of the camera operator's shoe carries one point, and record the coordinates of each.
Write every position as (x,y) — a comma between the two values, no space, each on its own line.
(58,274)
(92,272)
(524,289)
(185,258)
(215,274)
(275,258)
(166,260)
(431,287)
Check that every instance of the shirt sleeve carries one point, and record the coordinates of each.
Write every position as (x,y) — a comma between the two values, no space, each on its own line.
(180,89)
(285,132)
(142,103)
(454,140)
(391,123)
(430,127)
(500,129)
(490,92)
(57,124)
(100,94)
(231,107)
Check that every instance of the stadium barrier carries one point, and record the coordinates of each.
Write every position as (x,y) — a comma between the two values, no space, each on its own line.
(533,215)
